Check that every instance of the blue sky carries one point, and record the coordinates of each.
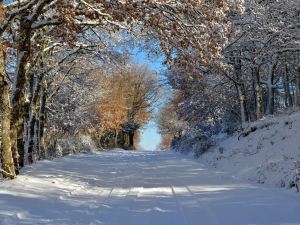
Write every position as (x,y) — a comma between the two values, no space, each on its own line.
(150,138)
(8,1)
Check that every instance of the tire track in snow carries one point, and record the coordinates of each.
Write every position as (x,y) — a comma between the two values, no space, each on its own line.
(180,207)
(212,217)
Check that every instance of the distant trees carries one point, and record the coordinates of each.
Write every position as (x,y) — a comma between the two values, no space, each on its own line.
(129,96)
(170,126)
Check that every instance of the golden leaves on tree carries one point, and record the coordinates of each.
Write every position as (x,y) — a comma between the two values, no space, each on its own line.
(127,97)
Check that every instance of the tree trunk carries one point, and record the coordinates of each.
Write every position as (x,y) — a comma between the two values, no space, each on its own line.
(8,169)
(19,100)
(36,137)
(33,122)
(127,142)
(131,140)
(287,90)
(252,110)
(29,115)
(271,90)
(242,106)
(271,99)
(41,122)
(259,94)
(259,101)
(116,138)
(36,83)
(30,137)
(241,93)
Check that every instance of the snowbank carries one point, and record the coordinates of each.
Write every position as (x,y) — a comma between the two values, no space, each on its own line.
(265,153)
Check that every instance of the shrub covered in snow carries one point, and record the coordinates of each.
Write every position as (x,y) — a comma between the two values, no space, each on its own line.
(194,141)
(296,175)
(74,145)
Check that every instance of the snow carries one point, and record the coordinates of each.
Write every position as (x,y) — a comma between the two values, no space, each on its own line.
(267,155)
(139,188)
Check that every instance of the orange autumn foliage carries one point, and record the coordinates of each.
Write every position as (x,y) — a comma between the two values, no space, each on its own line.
(128,96)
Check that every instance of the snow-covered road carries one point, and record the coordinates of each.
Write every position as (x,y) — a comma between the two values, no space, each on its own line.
(139,188)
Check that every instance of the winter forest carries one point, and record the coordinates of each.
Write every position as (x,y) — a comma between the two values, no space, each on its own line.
(78,88)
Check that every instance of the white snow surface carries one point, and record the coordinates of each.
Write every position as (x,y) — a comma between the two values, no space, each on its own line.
(139,188)
(266,155)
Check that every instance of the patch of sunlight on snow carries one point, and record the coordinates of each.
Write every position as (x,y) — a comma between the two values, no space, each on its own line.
(155,209)
(20,193)
(156,192)
(7,213)
(181,190)
(216,188)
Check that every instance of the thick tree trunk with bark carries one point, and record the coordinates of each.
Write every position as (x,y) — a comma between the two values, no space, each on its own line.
(8,169)
(271,88)
(32,127)
(41,122)
(29,115)
(19,100)
(36,85)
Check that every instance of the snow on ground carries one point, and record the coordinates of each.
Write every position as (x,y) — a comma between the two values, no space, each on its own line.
(139,188)
(266,155)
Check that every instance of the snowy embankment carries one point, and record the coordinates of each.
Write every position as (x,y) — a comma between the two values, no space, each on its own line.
(265,153)
(139,188)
